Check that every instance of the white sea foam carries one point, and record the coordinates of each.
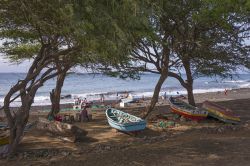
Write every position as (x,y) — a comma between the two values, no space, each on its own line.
(234,81)
(180,92)
(45,100)
(247,85)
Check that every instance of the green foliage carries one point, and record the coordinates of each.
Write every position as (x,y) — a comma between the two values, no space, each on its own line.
(114,24)
(124,74)
(208,34)
(104,32)
(92,28)
(21,52)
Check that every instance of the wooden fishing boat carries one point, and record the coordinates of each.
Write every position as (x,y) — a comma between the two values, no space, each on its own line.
(123,121)
(4,141)
(4,136)
(180,107)
(220,113)
(5,132)
(3,125)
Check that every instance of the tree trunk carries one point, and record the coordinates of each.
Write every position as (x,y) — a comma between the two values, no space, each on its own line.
(191,100)
(26,89)
(163,69)
(16,131)
(155,97)
(189,83)
(55,94)
(16,134)
(18,120)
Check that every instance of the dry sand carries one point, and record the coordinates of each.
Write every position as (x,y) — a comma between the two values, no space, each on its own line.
(209,142)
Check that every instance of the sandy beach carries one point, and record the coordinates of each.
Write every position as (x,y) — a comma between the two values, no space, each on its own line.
(208,142)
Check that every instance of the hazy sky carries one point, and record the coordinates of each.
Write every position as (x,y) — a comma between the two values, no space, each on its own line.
(7,67)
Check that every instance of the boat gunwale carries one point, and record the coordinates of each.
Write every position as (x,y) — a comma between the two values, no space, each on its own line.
(188,113)
(185,110)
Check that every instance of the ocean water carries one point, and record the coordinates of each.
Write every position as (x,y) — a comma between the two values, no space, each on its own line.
(92,85)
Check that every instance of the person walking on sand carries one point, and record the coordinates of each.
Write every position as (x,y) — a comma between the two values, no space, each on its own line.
(85,100)
(102,98)
(225,92)
(84,114)
(126,95)
(165,95)
(117,97)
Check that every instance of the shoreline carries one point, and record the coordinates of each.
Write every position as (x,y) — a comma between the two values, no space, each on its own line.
(67,98)
(234,94)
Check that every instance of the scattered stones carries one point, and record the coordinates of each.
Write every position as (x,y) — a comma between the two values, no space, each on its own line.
(41,153)
(246,125)
(183,119)
(222,129)
(64,153)
(177,125)
(102,148)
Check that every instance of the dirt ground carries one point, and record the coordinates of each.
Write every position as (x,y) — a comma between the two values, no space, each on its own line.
(208,142)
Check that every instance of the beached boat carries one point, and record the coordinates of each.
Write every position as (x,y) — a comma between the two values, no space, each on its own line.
(26,129)
(123,121)
(125,101)
(180,107)
(221,113)
(3,126)
(4,141)
(4,137)
(5,132)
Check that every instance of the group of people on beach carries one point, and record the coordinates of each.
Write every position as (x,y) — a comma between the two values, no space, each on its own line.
(79,101)
(85,114)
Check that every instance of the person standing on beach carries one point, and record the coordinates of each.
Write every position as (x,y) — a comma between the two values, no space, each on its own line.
(102,98)
(165,95)
(117,97)
(84,114)
(126,94)
(225,92)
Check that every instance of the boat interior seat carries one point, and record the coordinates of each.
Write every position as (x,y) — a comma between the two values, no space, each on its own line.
(177,103)
(113,118)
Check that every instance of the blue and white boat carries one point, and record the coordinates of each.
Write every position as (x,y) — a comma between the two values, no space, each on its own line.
(123,121)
